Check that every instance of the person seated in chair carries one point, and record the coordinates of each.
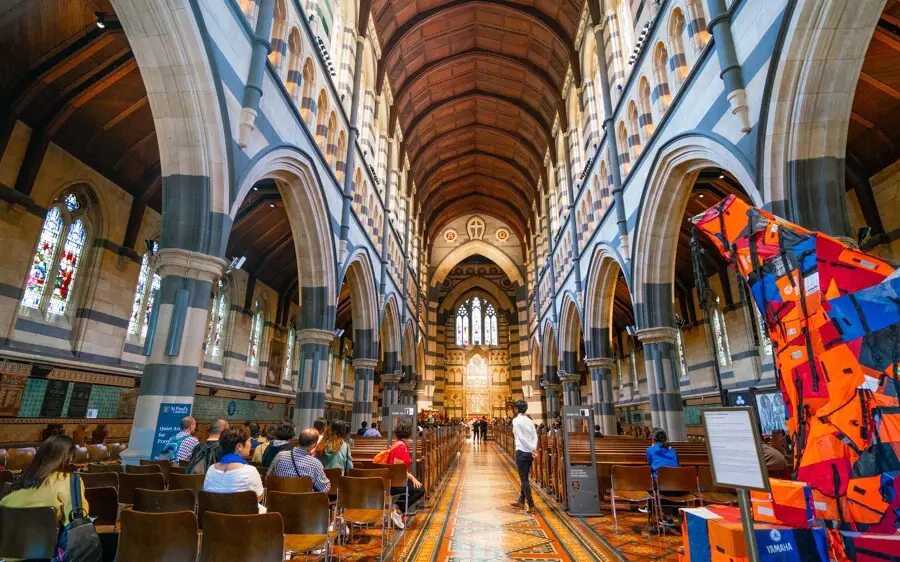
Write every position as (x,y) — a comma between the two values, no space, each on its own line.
(399,453)
(232,473)
(299,462)
(661,454)
(282,442)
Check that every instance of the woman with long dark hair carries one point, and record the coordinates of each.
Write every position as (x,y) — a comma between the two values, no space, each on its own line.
(46,481)
(333,449)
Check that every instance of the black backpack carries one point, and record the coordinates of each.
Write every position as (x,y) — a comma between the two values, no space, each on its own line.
(272,450)
(78,541)
(204,456)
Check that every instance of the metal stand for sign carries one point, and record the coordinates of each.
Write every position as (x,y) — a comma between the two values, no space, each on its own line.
(404,412)
(727,468)
(583,492)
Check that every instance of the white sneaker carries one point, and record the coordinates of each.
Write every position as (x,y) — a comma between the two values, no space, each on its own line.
(398,520)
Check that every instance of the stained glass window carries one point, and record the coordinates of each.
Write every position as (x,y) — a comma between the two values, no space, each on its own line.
(476,321)
(216,327)
(255,334)
(43,258)
(68,267)
(763,333)
(138,304)
(154,289)
(72,202)
(490,325)
(682,363)
(462,326)
(289,355)
(720,335)
(330,379)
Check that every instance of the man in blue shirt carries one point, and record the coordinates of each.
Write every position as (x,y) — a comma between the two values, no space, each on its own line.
(372,431)
(661,453)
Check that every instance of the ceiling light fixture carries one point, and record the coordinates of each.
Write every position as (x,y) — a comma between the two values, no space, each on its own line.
(700,196)
(272,205)
(721,176)
(255,188)
(101,19)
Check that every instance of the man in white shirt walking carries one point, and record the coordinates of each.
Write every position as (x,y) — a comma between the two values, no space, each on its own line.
(525,435)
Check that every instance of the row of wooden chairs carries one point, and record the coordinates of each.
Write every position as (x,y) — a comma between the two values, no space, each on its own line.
(19,458)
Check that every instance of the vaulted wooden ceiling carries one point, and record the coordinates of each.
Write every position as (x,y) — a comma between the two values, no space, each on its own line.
(873,136)
(77,85)
(477,88)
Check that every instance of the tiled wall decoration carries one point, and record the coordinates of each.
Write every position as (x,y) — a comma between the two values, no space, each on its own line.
(211,407)
(33,398)
(105,399)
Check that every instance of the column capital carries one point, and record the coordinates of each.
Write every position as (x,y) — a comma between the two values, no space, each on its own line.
(600,363)
(549,386)
(409,387)
(193,265)
(313,336)
(364,363)
(661,334)
(598,27)
(569,377)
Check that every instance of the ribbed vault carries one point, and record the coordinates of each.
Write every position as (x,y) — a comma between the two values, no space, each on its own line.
(477,88)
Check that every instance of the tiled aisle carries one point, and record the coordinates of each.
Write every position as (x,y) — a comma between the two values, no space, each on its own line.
(473,521)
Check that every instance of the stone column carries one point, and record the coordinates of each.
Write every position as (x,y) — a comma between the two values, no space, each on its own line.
(570,391)
(175,338)
(664,391)
(391,394)
(720,27)
(352,139)
(551,395)
(407,393)
(601,389)
(363,390)
(312,376)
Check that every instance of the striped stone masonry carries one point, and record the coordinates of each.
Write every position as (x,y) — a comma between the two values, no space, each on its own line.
(363,390)
(570,391)
(391,393)
(663,388)
(601,389)
(313,348)
(175,339)
(551,399)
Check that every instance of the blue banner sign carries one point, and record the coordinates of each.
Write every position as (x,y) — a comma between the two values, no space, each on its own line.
(168,423)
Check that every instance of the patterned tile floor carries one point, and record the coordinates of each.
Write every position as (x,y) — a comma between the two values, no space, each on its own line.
(469,519)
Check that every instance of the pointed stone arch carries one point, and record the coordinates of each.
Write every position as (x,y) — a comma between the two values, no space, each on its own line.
(477,247)
(360,279)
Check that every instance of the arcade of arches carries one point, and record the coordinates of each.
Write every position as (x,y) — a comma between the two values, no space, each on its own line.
(281,210)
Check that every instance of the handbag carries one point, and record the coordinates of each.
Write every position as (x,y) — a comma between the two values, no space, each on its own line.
(78,541)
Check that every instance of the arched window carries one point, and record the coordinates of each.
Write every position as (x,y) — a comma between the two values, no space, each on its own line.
(697,24)
(279,36)
(661,94)
(462,326)
(289,355)
(294,73)
(321,121)
(678,62)
(145,293)
(255,336)
(720,334)
(645,115)
(308,104)
(634,132)
(682,362)
(490,325)
(762,333)
(341,150)
(331,144)
(58,256)
(218,310)
(624,155)
(477,326)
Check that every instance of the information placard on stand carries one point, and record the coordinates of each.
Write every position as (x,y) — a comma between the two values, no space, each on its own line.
(736,459)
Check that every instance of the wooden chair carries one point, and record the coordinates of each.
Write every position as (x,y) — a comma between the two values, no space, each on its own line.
(98,453)
(192,482)
(306,518)
(261,537)
(28,532)
(164,467)
(709,492)
(299,485)
(19,459)
(675,485)
(333,474)
(103,503)
(398,480)
(177,470)
(238,503)
(169,537)
(633,484)
(144,469)
(128,483)
(361,502)
(163,501)
(81,455)
(97,467)
(100,479)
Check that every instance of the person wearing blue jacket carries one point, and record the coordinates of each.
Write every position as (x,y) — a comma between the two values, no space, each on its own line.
(661,453)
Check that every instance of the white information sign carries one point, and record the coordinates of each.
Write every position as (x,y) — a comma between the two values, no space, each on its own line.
(734,448)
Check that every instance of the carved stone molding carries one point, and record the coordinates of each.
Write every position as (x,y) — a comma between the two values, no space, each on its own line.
(92,378)
(600,363)
(322,337)
(364,363)
(13,368)
(662,334)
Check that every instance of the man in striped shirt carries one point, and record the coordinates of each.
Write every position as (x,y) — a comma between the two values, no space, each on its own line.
(185,439)
(299,462)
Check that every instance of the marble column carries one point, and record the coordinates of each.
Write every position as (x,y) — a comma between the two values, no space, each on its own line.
(666,409)
(570,391)
(363,391)
(175,338)
(601,389)
(391,394)
(551,395)
(407,393)
(312,376)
